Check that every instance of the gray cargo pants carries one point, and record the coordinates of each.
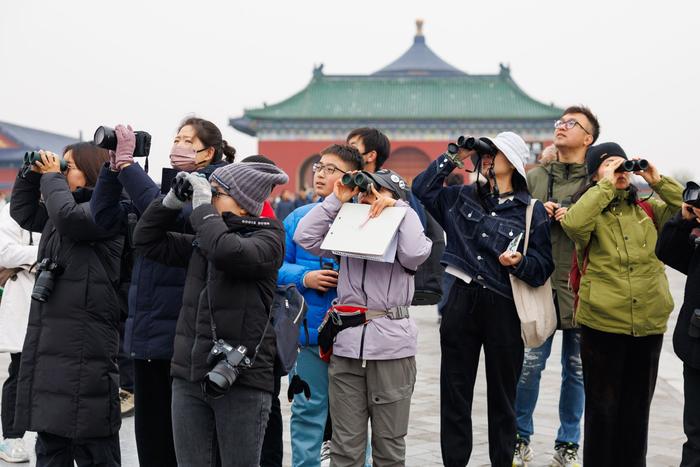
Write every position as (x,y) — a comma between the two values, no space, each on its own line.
(380,392)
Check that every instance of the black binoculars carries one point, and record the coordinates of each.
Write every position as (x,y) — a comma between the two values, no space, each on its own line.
(32,157)
(362,180)
(480,145)
(182,189)
(106,138)
(691,194)
(633,166)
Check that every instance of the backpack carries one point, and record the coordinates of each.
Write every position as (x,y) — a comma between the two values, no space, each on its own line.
(286,315)
(576,272)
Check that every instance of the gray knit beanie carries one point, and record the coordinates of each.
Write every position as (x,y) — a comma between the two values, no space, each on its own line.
(250,183)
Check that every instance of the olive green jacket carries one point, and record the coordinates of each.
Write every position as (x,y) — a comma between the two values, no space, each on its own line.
(567,180)
(624,289)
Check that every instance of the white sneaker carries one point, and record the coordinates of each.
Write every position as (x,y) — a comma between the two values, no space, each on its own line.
(565,455)
(326,454)
(13,451)
(523,453)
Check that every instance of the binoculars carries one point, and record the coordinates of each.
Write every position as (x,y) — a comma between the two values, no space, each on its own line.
(362,180)
(480,145)
(633,166)
(182,189)
(106,138)
(31,157)
(691,194)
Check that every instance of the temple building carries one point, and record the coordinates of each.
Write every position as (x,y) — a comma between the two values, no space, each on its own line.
(420,101)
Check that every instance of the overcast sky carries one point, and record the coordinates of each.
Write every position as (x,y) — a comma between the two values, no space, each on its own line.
(70,66)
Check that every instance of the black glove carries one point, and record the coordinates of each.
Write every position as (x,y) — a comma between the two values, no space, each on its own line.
(296,386)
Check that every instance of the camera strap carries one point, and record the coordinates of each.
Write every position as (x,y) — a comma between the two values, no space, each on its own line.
(215,338)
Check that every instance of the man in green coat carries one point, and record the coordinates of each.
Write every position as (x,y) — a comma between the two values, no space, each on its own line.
(560,175)
(624,301)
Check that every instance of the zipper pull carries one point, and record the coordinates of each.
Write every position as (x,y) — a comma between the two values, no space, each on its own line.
(364,363)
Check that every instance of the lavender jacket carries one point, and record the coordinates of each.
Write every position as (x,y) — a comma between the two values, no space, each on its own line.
(373,284)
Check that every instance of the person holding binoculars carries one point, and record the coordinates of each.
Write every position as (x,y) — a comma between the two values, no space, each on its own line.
(224,349)
(372,368)
(155,293)
(68,387)
(481,221)
(678,248)
(623,300)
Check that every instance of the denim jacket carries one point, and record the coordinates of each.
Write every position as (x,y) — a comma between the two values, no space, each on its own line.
(477,237)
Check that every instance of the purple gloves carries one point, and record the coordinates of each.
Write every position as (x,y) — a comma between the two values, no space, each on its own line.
(126,143)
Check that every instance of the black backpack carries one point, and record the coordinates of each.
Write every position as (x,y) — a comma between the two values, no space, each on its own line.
(287,313)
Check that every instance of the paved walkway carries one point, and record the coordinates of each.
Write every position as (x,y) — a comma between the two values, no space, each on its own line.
(666,429)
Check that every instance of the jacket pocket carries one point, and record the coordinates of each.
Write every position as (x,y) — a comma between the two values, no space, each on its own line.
(468,220)
(506,235)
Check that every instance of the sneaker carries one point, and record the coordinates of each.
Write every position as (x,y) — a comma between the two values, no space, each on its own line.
(565,455)
(523,453)
(326,453)
(126,400)
(12,450)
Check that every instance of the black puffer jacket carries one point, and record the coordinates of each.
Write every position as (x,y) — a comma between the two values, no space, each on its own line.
(69,381)
(677,249)
(240,256)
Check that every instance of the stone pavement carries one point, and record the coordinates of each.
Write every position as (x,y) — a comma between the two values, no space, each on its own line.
(665,433)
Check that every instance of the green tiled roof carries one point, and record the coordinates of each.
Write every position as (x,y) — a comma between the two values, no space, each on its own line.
(463,97)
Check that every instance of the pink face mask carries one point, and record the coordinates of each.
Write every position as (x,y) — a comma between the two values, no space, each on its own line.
(183,158)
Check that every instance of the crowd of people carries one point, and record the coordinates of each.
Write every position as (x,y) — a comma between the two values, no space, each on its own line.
(115,287)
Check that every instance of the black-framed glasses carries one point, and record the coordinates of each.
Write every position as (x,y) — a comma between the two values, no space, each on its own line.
(328,168)
(216,193)
(569,124)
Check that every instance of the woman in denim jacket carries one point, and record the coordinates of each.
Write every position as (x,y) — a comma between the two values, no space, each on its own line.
(480,221)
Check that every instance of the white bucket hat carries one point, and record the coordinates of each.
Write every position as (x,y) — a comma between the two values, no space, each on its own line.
(514,148)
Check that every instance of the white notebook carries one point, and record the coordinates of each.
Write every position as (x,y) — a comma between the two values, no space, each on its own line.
(351,234)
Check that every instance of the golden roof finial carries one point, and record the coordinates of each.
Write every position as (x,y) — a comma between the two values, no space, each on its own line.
(419,27)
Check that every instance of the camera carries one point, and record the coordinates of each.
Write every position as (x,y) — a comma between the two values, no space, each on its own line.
(182,189)
(633,166)
(564,203)
(228,363)
(482,146)
(691,194)
(48,270)
(106,138)
(361,180)
(694,328)
(31,157)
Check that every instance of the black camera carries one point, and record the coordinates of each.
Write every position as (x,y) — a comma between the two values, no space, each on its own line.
(482,146)
(633,166)
(694,328)
(691,194)
(228,363)
(106,138)
(361,180)
(32,157)
(48,270)
(566,202)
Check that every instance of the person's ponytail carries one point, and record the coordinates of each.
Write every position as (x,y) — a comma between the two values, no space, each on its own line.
(229,152)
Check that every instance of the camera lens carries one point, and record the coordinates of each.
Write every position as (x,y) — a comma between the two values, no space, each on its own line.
(105,138)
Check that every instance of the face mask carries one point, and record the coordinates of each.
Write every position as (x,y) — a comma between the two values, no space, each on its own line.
(183,158)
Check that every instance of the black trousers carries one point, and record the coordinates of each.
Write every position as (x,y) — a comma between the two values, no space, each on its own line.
(691,416)
(619,378)
(57,451)
(9,399)
(273,448)
(153,423)
(474,317)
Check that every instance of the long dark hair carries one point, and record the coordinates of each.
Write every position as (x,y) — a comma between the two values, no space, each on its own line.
(210,135)
(89,159)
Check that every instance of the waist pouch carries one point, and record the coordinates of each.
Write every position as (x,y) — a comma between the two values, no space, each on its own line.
(338,318)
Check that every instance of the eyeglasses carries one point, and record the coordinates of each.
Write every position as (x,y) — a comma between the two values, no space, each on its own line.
(328,168)
(217,194)
(569,124)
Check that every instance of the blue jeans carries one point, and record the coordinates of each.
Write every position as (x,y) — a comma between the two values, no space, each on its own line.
(225,432)
(571,397)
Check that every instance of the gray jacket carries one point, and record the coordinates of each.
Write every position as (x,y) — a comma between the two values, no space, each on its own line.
(372,284)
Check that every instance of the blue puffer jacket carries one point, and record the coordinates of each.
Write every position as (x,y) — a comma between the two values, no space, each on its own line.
(297,262)
(155,293)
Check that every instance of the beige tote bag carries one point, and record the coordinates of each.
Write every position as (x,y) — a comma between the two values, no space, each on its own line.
(535,305)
